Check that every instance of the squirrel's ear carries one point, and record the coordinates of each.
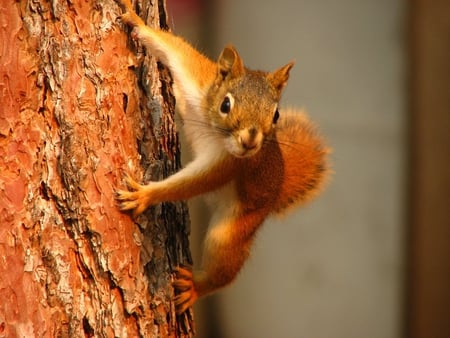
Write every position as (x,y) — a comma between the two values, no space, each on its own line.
(279,77)
(230,63)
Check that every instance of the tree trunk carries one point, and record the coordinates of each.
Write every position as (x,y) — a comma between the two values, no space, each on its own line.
(78,109)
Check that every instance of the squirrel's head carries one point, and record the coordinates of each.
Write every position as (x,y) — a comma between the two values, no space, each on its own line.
(243,104)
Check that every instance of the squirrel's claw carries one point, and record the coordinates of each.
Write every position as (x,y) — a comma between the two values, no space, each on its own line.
(132,184)
(184,284)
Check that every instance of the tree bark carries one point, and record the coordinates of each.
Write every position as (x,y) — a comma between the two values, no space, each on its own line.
(78,109)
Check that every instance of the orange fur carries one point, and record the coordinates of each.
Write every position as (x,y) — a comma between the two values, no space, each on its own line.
(253,163)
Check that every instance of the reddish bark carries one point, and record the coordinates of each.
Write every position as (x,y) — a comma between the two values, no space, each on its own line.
(76,107)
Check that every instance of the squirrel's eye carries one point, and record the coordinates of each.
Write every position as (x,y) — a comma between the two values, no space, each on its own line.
(225,107)
(276,116)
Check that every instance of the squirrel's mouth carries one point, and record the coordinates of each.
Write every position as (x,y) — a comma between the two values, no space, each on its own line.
(245,153)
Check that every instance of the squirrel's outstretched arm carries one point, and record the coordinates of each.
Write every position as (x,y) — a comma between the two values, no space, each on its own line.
(193,72)
(200,176)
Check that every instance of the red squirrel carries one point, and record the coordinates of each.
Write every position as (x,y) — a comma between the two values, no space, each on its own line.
(252,158)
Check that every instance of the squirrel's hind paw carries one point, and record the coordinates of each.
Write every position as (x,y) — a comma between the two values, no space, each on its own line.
(184,284)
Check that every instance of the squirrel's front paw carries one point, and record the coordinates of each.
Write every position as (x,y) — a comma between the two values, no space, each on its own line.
(184,284)
(136,198)
(129,16)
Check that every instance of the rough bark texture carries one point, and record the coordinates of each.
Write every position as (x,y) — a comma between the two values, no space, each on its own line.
(78,109)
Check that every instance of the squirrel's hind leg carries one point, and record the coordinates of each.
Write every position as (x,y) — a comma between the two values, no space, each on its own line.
(227,247)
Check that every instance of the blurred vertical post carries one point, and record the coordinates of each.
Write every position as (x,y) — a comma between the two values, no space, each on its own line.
(429,278)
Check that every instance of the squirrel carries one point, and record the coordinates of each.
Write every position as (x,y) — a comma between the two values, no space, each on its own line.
(252,158)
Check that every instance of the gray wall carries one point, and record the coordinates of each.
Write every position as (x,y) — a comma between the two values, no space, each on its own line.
(335,267)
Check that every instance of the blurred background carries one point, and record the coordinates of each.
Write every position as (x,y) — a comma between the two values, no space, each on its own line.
(371,256)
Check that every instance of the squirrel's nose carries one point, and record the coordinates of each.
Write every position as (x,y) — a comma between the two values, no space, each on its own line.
(250,138)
